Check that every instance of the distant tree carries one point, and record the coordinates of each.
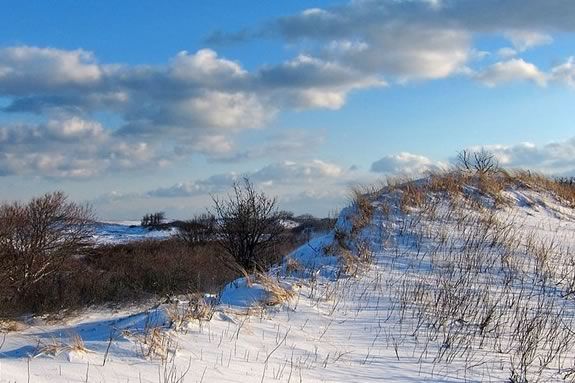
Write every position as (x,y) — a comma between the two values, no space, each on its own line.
(304,217)
(285,214)
(482,161)
(154,219)
(250,224)
(198,230)
(38,237)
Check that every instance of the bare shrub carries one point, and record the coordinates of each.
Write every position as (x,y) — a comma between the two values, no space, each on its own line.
(250,225)
(482,161)
(37,238)
(153,267)
(198,231)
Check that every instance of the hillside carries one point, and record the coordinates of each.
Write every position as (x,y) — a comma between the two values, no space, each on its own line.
(454,277)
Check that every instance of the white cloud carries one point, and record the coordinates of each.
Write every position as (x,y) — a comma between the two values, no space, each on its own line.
(198,101)
(511,71)
(70,147)
(419,39)
(523,40)
(214,184)
(556,158)
(564,73)
(506,52)
(294,174)
(311,82)
(219,110)
(289,172)
(204,66)
(405,164)
(25,69)
(75,128)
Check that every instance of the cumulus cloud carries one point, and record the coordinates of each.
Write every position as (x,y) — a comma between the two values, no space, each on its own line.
(510,71)
(565,73)
(29,70)
(275,174)
(195,103)
(294,143)
(213,184)
(293,172)
(70,147)
(405,164)
(516,69)
(526,39)
(421,39)
(555,158)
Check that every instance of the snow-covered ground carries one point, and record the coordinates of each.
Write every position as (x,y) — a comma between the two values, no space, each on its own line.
(126,231)
(113,232)
(383,320)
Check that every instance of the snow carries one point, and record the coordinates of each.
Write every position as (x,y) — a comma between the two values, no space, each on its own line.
(127,231)
(335,329)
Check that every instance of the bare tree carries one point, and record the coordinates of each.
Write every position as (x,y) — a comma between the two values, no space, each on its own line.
(482,161)
(198,230)
(154,219)
(250,224)
(38,237)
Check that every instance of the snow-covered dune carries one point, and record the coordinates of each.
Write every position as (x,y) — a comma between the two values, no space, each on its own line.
(417,282)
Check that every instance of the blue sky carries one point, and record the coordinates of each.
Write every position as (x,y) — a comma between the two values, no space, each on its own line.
(142,105)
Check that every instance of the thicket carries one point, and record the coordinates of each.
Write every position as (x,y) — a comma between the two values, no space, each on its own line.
(49,262)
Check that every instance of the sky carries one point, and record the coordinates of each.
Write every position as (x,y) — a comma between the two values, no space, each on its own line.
(138,106)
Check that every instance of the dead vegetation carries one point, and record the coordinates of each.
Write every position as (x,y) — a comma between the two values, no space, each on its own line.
(54,347)
(486,286)
(278,293)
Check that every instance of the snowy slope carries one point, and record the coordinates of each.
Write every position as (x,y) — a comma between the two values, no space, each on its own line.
(404,313)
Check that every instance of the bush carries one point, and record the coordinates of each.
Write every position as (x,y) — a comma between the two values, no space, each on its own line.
(481,162)
(37,239)
(197,231)
(133,272)
(161,267)
(250,226)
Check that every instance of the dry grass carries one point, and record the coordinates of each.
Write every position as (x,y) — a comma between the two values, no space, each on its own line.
(563,191)
(54,347)
(362,200)
(457,184)
(412,195)
(11,326)
(278,293)
(350,263)
(196,310)
(485,284)
(293,266)
(155,342)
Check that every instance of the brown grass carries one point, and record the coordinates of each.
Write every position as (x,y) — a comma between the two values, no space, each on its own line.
(460,184)
(278,294)
(361,199)
(54,347)
(564,192)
